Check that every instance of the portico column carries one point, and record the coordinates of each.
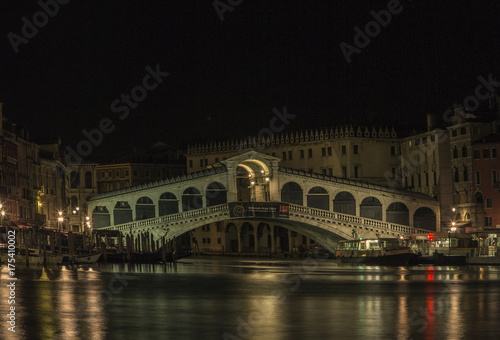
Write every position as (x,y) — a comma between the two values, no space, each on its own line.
(273,242)
(256,241)
(290,243)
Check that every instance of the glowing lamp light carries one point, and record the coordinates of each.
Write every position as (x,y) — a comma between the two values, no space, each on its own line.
(267,179)
(60,219)
(252,182)
(60,213)
(74,211)
(453,209)
(3,213)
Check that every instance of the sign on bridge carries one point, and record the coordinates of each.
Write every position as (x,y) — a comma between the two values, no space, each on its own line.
(259,209)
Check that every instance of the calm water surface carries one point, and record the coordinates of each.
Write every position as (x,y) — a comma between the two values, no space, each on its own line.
(221,298)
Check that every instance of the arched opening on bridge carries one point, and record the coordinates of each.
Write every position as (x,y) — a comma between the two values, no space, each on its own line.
(122,212)
(252,176)
(243,184)
(398,213)
(101,217)
(231,238)
(318,198)
(281,235)
(191,199)
(344,203)
(216,194)
(168,204)
(371,207)
(144,208)
(292,193)
(247,238)
(264,238)
(425,218)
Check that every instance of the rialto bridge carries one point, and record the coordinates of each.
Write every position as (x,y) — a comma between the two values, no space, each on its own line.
(250,193)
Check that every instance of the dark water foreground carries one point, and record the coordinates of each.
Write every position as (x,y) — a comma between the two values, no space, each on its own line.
(253,299)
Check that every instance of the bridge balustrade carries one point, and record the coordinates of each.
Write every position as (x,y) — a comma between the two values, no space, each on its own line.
(298,209)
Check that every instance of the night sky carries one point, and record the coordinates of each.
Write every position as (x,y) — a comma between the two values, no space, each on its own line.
(225,77)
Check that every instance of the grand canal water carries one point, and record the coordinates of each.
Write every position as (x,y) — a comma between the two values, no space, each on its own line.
(229,298)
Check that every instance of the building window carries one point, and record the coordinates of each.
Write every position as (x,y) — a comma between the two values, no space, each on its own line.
(324,171)
(435,177)
(323,152)
(454,133)
(466,174)
(206,162)
(487,221)
(190,163)
(477,154)
(433,138)
(284,155)
(273,154)
(493,153)
(329,151)
(216,159)
(355,150)
(289,154)
(478,178)
(393,151)
(356,171)
(426,179)
(103,174)
(493,176)
(464,151)
(455,152)
(126,171)
(419,181)
(219,240)
(344,149)
(330,172)
(344,171)
(301,153)
(486,153)
(457,178)
(488,202)
(135,173)
(310,153)
(463,130)
(201,163)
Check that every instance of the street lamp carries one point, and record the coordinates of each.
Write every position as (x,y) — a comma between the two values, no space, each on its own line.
(453,228)
(59,220)
(3,214)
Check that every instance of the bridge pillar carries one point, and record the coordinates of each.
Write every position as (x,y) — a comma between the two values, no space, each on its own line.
(411,213)
(290,242)
(239,242)
(256,242)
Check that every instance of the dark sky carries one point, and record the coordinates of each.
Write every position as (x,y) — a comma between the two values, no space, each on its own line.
(225,77)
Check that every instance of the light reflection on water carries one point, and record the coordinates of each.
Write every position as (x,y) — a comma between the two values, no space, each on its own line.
(254,299)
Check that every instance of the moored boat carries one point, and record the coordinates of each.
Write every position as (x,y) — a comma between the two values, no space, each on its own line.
(385,252)
(86,258)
